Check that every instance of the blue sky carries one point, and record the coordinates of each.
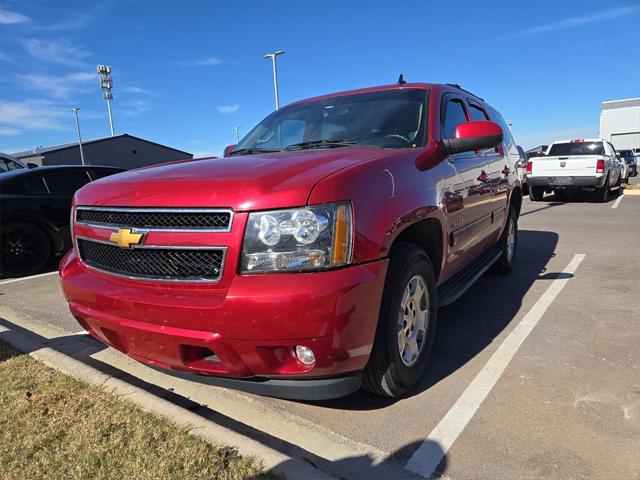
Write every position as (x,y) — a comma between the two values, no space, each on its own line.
(185,73)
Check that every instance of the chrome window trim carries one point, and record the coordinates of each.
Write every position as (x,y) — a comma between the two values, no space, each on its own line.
(151,247)
(157,210)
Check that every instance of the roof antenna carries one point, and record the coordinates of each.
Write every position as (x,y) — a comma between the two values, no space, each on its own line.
(401,80)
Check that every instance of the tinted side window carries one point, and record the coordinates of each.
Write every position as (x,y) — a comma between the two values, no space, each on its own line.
(14,165)
(103,172)
(506,131)
(36,187)
(454,115)
(3,165)
(66,183)
(477,113)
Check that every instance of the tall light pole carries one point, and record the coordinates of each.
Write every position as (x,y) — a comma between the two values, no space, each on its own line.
(273,56)
(237,129)
(104,73)
(75,110)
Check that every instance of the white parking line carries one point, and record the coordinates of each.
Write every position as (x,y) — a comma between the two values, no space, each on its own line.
(618,200)
(428,456)
(4,282)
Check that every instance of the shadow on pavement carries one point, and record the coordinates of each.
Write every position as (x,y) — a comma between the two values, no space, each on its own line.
(351,468)
(81,347)
(469,325)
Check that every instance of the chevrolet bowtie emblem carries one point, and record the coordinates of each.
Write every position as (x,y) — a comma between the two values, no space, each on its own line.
(125,238)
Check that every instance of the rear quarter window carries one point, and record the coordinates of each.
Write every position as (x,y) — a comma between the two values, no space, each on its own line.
(66,183)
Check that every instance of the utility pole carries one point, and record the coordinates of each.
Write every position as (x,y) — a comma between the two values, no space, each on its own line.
(237,129)
(273,56)
(75,110)
(106,84)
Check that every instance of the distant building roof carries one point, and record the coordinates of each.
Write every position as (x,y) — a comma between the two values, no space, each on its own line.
(55,148)
(625,102)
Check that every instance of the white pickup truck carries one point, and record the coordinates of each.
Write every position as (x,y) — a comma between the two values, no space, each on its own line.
(569,165)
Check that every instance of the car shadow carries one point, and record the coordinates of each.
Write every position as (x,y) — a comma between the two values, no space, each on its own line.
(578,197)
(466,327)
(81,348)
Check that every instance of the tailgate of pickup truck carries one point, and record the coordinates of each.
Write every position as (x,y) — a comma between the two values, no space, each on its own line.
(574,165)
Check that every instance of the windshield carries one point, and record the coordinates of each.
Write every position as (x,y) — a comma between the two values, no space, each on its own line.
(576,148)
(627,154)
(386,119)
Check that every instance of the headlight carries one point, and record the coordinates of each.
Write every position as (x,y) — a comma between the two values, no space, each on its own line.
(301,239)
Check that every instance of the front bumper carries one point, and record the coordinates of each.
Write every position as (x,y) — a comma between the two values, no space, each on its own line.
(567,181)
(246,330)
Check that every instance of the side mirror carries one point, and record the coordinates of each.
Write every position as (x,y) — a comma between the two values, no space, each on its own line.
(228,149)
(521,163)
(474,135)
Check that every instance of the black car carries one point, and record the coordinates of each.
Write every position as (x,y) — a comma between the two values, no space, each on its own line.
(9,163)
(34,214)
(632,162)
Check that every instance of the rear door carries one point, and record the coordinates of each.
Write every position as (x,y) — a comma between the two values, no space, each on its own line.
(465,203)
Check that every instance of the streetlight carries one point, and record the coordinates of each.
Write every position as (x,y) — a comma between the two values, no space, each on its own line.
(273,56)
(75,110)
(104,73)
(237,129)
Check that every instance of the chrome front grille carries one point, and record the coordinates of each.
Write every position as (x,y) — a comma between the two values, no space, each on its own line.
(158,219)
(178,264)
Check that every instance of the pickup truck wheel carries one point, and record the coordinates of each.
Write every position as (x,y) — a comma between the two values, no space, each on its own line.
(536,193)
(24,249)
(602,193)
(406,325)
(507,245)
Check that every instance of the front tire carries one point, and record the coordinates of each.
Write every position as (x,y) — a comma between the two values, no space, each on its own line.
(507,244)
(536,193)
(406,324)
(24,249)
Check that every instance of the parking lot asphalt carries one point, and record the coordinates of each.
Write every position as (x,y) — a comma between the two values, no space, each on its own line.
(533,375)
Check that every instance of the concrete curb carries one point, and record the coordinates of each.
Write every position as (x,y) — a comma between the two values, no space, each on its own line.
(271,459)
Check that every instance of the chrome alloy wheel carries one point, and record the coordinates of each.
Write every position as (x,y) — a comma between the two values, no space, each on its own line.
(413,320)
(511,239)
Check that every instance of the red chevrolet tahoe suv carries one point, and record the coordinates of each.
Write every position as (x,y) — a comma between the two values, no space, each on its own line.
(311,259)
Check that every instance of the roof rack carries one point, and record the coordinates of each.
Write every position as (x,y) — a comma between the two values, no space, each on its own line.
(455,85)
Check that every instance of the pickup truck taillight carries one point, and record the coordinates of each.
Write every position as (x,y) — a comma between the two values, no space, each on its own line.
(600,166)
(529,166)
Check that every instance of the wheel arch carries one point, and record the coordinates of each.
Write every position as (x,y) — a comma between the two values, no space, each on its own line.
(428,235)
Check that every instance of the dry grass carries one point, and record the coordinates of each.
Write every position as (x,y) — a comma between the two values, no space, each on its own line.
(55,427)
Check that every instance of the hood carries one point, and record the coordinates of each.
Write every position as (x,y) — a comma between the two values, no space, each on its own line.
(249,182)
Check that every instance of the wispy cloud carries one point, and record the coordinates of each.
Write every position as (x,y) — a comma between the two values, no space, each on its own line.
(56,51)
(205,62)
(77,21)
(9,18)
(9,132)
(5,58)
(577,21)
(138,90)
(34,115)
(134,108)
(228,108)
(60,86)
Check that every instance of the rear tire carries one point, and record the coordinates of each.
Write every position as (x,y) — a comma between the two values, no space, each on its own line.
(602,193)
(536,193)
(392,369)
(507,245)
(24,249)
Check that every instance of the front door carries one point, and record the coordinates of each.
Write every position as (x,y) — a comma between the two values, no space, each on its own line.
(466,201)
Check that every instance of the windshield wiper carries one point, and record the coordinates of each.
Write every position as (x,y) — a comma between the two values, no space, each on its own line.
(320,144)
(250,151)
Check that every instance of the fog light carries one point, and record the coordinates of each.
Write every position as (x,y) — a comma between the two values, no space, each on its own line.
(305,355)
